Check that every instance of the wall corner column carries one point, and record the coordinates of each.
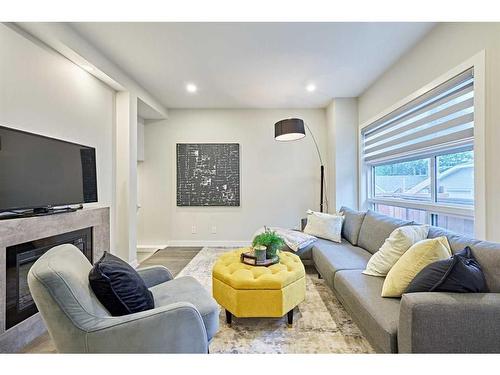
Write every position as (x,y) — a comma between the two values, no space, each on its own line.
(126,176)
(342,140)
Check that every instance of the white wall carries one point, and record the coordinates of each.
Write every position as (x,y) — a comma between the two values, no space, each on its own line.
(140,139)
(342,133)
(279,181)
(43,92)
(445,47)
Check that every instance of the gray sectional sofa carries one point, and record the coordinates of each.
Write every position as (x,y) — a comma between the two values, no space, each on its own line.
(417,322)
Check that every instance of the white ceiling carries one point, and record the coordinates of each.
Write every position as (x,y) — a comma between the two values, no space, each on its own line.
(253,65)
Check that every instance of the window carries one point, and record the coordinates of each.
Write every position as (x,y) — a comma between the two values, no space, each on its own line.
(462,225)
(403,213)
(403,180)
(455,178)
(457,224)
(419,159)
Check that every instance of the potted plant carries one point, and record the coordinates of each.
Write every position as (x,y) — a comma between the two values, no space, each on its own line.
(271,241)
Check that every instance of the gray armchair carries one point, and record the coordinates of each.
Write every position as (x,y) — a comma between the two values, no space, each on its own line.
(184,320)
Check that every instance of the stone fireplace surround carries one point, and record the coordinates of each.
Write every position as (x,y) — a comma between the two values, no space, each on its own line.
(17,231)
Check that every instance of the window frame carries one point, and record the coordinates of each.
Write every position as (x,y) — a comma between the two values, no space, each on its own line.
(476,212)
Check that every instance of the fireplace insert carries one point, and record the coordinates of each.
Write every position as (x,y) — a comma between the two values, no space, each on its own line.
(20,258)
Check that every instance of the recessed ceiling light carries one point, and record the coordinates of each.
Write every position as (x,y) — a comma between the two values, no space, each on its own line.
(311,87)
(191,87)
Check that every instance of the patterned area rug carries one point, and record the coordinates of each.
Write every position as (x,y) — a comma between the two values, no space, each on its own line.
(321,325)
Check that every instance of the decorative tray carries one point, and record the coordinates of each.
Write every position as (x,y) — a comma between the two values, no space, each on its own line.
(250,259)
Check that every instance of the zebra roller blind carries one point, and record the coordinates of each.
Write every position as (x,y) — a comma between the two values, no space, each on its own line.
(440,119)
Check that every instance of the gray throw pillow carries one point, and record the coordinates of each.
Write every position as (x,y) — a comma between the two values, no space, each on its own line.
(352,224)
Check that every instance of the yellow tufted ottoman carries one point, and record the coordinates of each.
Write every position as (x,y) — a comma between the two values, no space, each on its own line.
(253,291)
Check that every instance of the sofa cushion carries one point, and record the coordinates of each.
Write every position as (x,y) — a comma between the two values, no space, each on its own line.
(376,228)
(377,317)
(457,242)
(486,253)
(352,224)
(330,257)
(187,289)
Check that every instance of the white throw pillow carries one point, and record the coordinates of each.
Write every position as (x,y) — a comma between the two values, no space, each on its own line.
(324,225)
(400,240)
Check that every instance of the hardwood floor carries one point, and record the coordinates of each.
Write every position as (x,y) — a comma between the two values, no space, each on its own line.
(174,258)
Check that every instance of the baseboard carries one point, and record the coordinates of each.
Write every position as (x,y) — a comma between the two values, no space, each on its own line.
(150,248)
(189,243)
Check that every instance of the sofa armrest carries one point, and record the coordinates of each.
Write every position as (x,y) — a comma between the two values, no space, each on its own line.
(449,323)
(155,275)
(175,328)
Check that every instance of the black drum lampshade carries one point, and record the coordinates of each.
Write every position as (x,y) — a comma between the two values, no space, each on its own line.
(289,130)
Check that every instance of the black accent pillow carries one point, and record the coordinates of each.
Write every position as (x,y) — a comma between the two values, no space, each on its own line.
(119,287)
(459,274)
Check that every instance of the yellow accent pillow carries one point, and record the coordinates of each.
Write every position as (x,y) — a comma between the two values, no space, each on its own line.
(412,262)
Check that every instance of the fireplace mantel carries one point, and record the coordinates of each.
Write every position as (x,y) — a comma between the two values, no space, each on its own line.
(17,231)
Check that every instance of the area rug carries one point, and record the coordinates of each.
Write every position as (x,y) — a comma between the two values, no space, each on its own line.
(321,325)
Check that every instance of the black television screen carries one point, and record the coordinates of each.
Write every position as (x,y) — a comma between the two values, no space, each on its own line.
(39,172)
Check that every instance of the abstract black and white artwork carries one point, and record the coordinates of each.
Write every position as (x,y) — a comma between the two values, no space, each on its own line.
(208,174)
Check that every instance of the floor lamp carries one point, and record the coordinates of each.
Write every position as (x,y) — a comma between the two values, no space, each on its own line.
(293,129)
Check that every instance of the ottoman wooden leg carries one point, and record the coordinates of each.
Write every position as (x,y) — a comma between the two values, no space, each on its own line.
(229,317)
(290,318)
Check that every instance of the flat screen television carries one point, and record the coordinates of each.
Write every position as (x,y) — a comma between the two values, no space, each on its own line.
(38,172)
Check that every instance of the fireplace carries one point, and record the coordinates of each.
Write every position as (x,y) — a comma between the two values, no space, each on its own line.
(20,258)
